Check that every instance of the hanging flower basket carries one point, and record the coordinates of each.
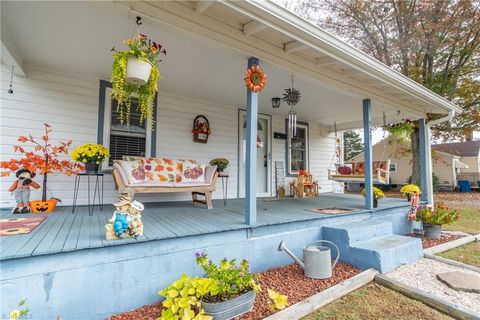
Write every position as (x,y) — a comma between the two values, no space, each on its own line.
(138,71)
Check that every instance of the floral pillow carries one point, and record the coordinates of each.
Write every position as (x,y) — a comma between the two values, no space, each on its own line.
(165,170)
(359,168)
(193,172)
(134,171)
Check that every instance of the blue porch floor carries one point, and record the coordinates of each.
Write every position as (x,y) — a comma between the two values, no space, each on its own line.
(63,231)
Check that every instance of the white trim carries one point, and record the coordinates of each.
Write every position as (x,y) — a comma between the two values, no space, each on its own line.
(107,122)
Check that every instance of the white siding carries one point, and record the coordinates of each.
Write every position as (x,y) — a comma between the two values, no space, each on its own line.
(70,104)
(473,164)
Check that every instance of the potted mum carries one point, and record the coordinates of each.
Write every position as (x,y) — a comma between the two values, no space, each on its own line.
(92,155)
(410,189)
(135,73)
(433,219)
(221,163)
(43,158)
(377,194)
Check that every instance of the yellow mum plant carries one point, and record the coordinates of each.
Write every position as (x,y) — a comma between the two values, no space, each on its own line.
(409,189)
(377,193)
(90,152)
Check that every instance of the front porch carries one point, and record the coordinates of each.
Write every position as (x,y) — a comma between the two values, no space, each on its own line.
(63,231)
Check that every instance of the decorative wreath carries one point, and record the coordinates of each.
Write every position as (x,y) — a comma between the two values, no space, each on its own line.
(255,78)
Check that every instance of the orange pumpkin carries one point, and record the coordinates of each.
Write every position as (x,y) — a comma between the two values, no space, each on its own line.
(39,206)
(255,78)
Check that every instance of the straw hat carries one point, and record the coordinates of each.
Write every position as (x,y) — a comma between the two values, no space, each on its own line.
(123,200)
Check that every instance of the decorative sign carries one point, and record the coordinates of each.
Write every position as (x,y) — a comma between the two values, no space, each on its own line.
(255,78)
(414,202)
(201,129)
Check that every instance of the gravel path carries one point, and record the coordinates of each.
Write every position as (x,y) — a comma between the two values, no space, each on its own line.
(422,275)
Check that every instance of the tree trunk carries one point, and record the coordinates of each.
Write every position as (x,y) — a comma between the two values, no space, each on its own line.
(414,137)
(469,134)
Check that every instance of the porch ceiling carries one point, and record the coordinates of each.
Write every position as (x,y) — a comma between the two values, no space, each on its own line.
(205,59)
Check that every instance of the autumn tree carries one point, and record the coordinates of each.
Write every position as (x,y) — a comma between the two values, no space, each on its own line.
(436,43)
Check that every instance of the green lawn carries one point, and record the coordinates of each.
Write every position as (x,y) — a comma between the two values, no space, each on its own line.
(469,254)
(375,302)
(469,220)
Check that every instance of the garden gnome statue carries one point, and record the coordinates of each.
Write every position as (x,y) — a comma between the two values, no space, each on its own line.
(120,223)
(134,218)
(21,189)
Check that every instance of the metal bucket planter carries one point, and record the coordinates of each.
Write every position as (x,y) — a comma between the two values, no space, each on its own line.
(231,308)
(433,231)
(138,71)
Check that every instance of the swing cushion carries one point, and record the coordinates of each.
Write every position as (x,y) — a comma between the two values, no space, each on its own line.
(344,169)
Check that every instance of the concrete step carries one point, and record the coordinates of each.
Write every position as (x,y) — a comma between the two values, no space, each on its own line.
(358,230)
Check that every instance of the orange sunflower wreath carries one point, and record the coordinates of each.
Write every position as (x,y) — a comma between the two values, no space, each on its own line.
(255,79)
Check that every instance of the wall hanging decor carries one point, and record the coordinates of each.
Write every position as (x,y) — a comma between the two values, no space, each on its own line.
(135,72)
(255,78)
(292,97)
(10,88)
(201,129)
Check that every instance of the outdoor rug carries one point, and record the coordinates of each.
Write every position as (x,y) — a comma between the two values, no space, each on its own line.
(13,226)
(332,210)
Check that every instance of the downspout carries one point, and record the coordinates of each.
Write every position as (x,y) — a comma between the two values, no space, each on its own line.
(451,114)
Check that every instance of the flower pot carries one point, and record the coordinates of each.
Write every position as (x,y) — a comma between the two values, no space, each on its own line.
(91,167)
(375,203)
(39,206)
(138,71)
(231,308)
(433,231)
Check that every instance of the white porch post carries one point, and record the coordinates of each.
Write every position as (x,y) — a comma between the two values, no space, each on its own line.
(422,137)
(367,147)
(251,154)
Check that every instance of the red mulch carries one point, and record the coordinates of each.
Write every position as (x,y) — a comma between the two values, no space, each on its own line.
(287,280)
(427,242)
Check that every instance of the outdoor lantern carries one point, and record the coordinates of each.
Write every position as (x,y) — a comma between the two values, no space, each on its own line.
(276,102)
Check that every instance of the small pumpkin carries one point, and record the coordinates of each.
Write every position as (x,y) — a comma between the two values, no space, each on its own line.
(39,206)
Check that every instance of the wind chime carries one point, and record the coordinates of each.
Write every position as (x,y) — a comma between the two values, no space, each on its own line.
(292,97)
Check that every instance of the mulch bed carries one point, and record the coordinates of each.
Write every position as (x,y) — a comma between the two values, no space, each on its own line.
(427,242)
(288,280)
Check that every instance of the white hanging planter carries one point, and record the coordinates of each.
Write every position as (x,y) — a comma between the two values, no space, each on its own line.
(138,71)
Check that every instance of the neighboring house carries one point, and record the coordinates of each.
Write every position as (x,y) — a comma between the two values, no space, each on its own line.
(62,62)
(450,161)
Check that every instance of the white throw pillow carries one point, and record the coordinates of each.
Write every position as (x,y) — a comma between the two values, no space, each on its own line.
(134,171)
(193,172)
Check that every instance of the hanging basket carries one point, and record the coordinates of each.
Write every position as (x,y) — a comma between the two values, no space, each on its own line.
(138,71)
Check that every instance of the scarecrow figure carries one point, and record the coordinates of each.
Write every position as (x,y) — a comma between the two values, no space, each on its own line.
(119,218)
(21,189)
(134,219)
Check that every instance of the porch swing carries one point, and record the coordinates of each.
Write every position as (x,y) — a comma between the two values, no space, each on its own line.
(354,172)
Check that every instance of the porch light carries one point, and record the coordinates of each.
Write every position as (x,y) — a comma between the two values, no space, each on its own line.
(276,102)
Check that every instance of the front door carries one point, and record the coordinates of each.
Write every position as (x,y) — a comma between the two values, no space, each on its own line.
(264,176)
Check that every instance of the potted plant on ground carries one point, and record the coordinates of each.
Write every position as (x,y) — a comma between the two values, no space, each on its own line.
(409,189)
(377,194)
(221,163)
(135,73)
(92,155)
(43,158)
(433,219)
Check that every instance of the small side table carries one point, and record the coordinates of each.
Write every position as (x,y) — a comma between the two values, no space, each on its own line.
(224,176)
(97,189)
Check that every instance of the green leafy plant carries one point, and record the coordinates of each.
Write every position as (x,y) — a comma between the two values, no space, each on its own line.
(409,189)
(233,280)
(377,193)
(439,215)
(145,49)
(183,298)
(277,300)
(401,131)
(221,163)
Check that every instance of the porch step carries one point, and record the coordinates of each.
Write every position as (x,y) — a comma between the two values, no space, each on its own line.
(371,244)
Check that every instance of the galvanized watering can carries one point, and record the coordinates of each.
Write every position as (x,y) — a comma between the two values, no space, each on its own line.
(317,259)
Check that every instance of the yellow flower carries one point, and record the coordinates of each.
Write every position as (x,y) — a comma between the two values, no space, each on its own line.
(408,189)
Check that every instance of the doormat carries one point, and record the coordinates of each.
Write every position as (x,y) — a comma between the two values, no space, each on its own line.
(13,226)
(332,210)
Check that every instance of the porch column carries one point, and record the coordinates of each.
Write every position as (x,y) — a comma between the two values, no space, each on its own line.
(251,154)
(422,137)
(429,169)
(367,151)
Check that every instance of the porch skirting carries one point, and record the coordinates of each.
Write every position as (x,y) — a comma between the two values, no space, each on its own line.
(96,283)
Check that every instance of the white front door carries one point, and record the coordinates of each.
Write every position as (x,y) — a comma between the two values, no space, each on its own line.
(264,161)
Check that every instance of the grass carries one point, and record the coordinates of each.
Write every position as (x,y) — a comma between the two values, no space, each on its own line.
(469,254)
(373,302)
(469,220)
